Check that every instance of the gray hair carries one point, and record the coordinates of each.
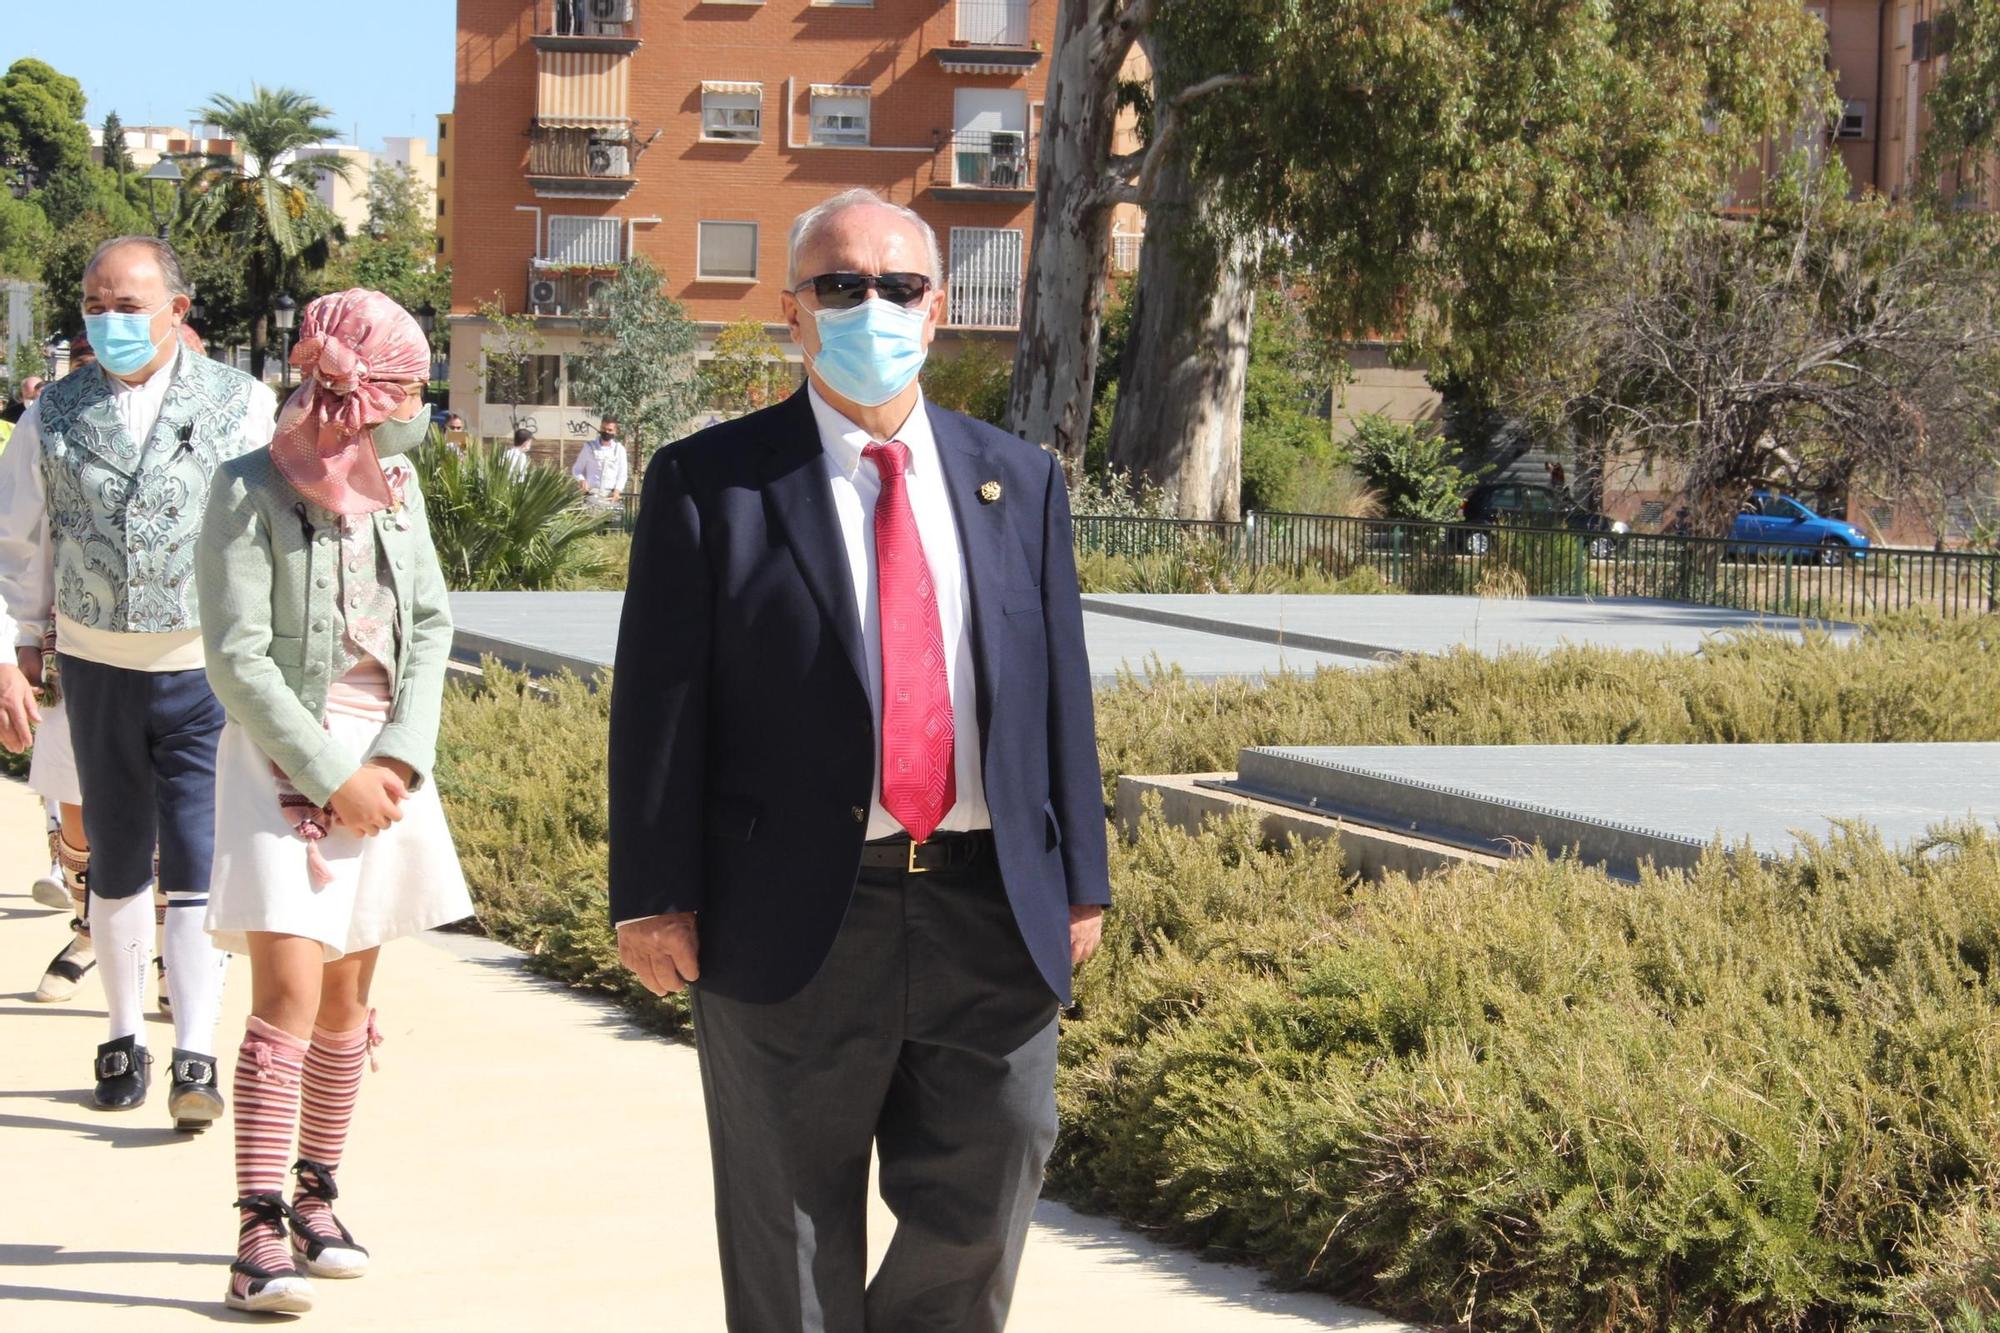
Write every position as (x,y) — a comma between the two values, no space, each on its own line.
(810,222)
(163,255)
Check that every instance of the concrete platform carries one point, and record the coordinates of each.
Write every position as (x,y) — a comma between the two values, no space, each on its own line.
(525,1159)
(1619,805)
(1207,636)
(1371,627)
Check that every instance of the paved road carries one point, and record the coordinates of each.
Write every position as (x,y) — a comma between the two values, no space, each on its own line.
(524,1159)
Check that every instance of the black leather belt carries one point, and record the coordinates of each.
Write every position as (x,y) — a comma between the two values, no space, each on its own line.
(941,851)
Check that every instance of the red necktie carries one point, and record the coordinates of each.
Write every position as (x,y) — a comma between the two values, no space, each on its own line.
(918,783)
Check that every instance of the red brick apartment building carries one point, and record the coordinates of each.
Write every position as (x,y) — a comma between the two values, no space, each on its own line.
(694,131)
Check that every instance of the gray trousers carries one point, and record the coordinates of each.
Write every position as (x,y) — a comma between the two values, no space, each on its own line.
(927,1035)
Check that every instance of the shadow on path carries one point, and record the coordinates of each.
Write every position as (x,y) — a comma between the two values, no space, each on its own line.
(125,1135)
(52,1256)
(1200,1279)
(214,1309)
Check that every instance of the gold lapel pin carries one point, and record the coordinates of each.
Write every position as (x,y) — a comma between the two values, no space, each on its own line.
(989,492)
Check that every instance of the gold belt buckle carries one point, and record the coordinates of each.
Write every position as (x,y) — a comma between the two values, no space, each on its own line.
(914,868)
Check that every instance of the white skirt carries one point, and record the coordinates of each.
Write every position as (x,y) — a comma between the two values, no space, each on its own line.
(403,880)
(52,770)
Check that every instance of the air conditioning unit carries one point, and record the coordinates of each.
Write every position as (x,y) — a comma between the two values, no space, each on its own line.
(542,295)
(611,11)
(1853,121)
(597,292)
(609,159)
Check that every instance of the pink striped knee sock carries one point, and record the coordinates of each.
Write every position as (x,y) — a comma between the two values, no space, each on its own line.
(332,1083)
(265,1096)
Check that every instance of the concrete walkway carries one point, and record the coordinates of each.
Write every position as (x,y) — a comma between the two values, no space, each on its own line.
(524,1159)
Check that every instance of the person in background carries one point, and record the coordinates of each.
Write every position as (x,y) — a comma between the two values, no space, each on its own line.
(330,838)
(602,468)
(101,499)
(455,438)
(516,459)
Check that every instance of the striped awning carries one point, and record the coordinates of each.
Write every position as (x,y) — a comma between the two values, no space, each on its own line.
(584,89)
(731,86)
(840,90)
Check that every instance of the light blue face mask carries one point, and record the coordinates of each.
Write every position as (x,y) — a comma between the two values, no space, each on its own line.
(123,342)
(870,353)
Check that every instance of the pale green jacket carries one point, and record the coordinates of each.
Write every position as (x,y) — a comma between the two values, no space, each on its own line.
(268,571)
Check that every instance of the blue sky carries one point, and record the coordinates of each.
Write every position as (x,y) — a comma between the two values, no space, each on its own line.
(384,64)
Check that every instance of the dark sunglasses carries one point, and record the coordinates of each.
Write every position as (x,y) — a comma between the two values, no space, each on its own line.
(844,291)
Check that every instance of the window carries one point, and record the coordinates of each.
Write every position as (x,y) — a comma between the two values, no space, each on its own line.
(441,167)
(839,115)
(1853,120)
(732,111)
(727,250)
(985,288)
(574,396)
(532,381)
(580,240)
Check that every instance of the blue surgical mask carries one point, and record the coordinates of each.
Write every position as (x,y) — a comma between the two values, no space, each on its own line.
(870,353)
(123,342)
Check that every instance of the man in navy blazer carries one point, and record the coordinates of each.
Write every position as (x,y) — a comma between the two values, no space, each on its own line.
(856,806)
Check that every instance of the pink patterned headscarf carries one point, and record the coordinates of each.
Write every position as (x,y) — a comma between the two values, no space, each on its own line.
(356,350)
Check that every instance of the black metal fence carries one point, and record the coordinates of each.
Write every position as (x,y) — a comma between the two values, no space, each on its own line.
(1778,578)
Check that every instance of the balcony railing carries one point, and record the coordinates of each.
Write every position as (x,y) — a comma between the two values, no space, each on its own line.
(999,161)
(993,22)
(587,25)
(571,290)
(586,153)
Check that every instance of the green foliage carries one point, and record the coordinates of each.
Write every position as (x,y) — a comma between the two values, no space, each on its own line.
(1114,336)
(1537,1098)
(117,157)
(62,272)
(399,209)
(25,237)
(1910,678)
(521,770)
(1201,566)
(267,218)
(1415,470)
(1291,377)
(1431,165)
(493,532)
(975,381)
(1964,102)
(638,360)
(746,369)
(42,134)
(1115,494)
(507,354)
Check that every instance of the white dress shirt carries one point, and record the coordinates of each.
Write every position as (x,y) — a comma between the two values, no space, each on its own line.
(856,487)
(27,547)
(602,466)
(515,460)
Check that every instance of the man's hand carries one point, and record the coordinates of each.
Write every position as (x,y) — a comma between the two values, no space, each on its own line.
(1086,932)
(29,659)
(370,801)
(18,710)
(664,952)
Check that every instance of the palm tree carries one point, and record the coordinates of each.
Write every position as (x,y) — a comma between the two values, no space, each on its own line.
(265,206)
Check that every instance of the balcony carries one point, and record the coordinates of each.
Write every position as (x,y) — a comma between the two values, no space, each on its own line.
(580,163)
(587,25)
(991,37)
(567,290)
(983,166)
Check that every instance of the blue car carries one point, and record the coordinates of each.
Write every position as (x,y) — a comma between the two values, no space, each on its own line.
(1769,518)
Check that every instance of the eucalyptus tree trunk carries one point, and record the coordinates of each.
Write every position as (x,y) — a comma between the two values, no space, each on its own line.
(1055,358)
(1179,421)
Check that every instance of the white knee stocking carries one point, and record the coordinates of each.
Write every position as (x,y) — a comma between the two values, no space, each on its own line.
(194,972)
(122,930)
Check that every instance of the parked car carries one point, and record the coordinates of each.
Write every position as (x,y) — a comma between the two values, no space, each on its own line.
(1768,518)
(1524,504)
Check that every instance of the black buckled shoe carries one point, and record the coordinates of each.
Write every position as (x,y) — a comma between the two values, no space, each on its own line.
(123,1068)
(323,1253)
(266,1290)
(196,1099)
